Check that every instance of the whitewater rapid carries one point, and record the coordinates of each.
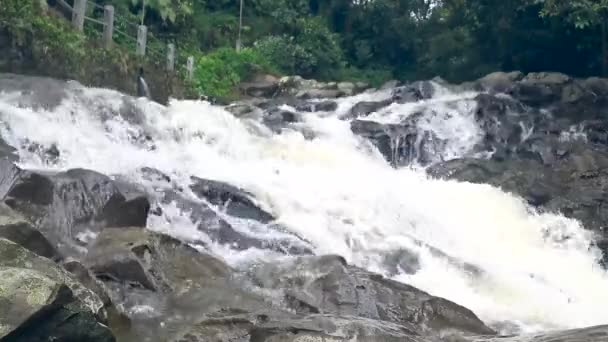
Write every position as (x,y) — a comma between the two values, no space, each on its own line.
(513,267)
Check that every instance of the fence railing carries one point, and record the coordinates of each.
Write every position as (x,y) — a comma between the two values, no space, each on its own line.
(109,32)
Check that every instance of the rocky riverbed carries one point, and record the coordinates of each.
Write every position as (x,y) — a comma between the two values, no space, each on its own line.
(82,257)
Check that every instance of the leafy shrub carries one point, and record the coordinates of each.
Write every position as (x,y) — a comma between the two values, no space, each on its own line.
(321,45)
(313,51)
(218,72)
(285,54)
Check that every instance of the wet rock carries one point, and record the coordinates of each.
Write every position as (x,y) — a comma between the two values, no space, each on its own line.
(35,307)
(400,144)
(571,178)
(502,121)
(595,334)
(500,82)
(390,84)
(237,202)
(311,89)
(327,284)
(7,151)
(402,261)
(320,94)
(261,86)
(15,256)
(277,119)
(416,91)
(36,92)
(155,262)
(220,231)
(321,106)
(17,229)
(262,327)
(70,207)
(366,107)
(243,110)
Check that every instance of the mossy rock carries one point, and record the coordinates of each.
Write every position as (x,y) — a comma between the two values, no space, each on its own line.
(34,307)
(13,255)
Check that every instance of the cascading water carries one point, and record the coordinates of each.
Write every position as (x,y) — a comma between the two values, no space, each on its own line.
(473,244)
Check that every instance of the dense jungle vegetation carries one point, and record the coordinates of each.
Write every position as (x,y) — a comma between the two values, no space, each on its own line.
(375,40)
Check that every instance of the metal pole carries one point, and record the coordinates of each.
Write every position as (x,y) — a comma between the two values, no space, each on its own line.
(108,29)
(238,41)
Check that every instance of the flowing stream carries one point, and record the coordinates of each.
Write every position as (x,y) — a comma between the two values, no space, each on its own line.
(476,245)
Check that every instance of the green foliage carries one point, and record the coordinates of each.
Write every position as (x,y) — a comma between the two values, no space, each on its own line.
(372,76)
(313,51)
(581,13)
(285,54)
(218,72)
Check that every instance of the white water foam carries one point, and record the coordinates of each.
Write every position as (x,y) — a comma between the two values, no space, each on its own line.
(528,269)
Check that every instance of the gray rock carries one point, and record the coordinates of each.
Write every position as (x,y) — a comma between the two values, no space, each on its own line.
(291,328)
(15,256)
(261,86)
(220,231)
(320,94)
(237,202)
(390,84)
(400,144)
(35,307)
(151,261)
(322,106)
(416,91)
(328,285)
(590,334)
(365,108)
(37,92)
(68,207)
(500,81)
(7,151)
(17,229)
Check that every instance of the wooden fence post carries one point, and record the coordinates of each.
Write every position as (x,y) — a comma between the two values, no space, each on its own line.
(108,29)
(190,67)
(170,57)
(142,33)
(80,7)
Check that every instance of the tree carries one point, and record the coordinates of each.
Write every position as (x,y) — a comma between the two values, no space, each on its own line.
(583,14)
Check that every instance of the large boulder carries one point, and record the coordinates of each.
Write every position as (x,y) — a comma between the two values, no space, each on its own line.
(71,207)
(400,144)
(17,229)
(15,256)
(365,108)
(151,261)
(36,308)
(285,327)
(320,106)
(500,82)
(7,151)
(310,89)
(162,284)
(36,92)
(260,86)
(590,334)
(220,231)
(237,202)
(327,285)
(413,92)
